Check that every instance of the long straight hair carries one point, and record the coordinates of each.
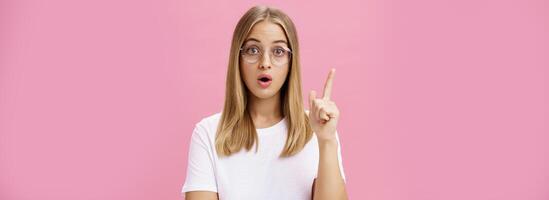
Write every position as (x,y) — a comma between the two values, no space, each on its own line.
(236,129)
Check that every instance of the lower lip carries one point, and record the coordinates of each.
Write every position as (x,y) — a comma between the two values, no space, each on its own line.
(264,84)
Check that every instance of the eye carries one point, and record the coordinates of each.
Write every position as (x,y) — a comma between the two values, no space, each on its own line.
(252,50)
(279,52)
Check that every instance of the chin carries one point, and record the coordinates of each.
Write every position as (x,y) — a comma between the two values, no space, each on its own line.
(263,93)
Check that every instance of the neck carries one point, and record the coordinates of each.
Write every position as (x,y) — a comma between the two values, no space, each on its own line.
(265,110)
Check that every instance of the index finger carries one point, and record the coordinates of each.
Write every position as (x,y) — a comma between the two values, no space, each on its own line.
(328,85)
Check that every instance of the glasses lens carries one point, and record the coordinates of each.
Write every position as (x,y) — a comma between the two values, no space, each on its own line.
(251,58)
(251,54)
(278,56)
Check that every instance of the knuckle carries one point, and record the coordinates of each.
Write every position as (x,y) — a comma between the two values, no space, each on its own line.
(323,109)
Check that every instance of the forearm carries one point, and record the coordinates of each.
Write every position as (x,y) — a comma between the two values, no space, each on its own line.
(329,182)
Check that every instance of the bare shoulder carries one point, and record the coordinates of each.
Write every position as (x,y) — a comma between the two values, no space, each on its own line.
(201,195)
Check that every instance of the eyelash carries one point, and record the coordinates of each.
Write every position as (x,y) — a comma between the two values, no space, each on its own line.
(259,49)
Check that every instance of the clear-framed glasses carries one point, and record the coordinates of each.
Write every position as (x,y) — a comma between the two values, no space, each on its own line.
(253,53)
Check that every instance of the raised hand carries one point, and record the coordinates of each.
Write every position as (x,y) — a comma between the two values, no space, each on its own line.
(323,113)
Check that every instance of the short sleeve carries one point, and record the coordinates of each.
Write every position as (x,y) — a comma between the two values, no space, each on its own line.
(200,170)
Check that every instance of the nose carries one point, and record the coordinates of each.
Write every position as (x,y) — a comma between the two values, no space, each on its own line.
(265,62)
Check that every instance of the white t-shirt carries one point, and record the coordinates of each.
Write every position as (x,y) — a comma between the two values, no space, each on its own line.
(250,175)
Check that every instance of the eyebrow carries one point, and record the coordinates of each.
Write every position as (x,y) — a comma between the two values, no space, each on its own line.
(256,40)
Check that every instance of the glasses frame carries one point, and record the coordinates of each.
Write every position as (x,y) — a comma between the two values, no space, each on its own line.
(261,51)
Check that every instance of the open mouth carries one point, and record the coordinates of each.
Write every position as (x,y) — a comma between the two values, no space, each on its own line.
(264,80)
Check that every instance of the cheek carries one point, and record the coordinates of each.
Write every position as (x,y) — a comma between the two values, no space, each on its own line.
(283,75)
(246,73)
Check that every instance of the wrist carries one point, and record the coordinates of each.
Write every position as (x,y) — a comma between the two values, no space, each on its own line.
(329,142)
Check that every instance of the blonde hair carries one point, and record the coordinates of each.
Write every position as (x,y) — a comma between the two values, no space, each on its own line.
(236,129)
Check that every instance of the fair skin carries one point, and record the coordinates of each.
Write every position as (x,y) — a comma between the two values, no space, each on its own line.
(265,110)
(265,103)
(323,115)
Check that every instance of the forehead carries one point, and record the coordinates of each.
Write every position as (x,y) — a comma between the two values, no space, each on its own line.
(267,32)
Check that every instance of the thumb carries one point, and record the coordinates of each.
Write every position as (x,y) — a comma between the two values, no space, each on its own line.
(312,97)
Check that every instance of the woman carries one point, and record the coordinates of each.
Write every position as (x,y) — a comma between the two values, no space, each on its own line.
(264,145)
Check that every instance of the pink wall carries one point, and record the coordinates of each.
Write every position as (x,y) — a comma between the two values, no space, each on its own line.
(439,99)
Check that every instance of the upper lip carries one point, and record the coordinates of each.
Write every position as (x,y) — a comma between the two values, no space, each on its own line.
(264,76)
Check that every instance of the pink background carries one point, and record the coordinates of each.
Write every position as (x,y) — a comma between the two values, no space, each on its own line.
(439,99)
